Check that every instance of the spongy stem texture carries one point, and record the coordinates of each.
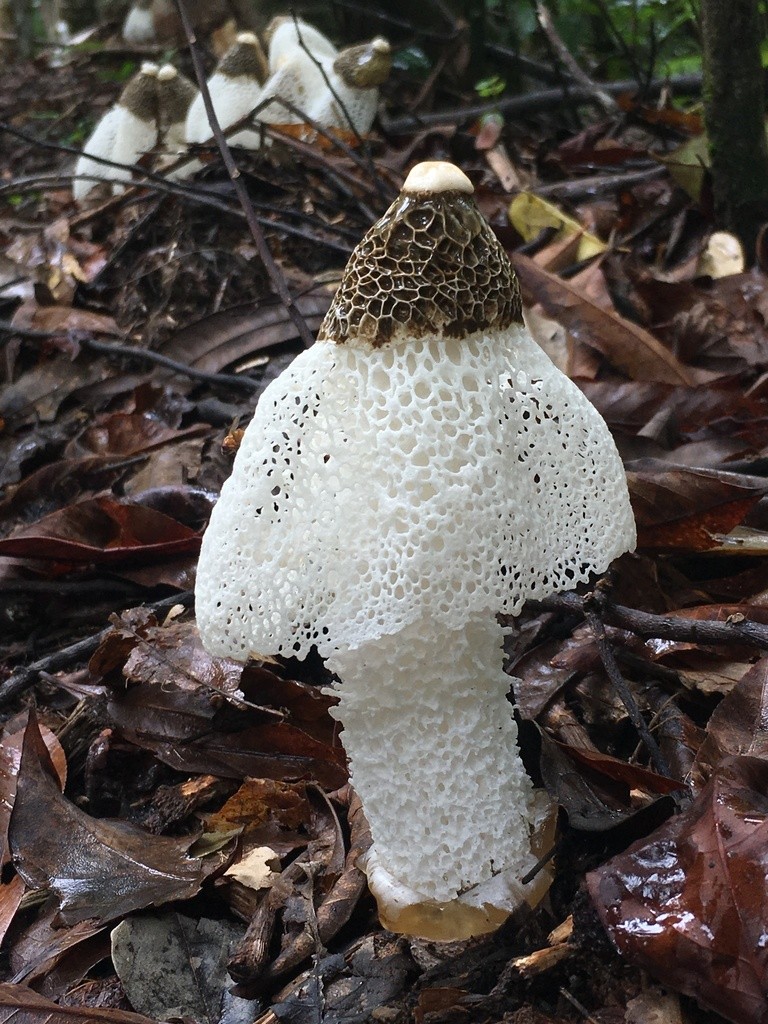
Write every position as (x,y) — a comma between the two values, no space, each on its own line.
(433,749)
(440,478)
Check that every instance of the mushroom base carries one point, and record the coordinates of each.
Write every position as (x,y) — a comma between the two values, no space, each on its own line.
(475,912)
(433,752)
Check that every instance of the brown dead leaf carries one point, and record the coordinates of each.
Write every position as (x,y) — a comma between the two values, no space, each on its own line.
(127,434)
(685,508)
(22,1005)
(10,760)
(738,725)
(625,345)
(98,869)
(224,338)
(593,801)
(64,320)
(10,899)
(688,903)
(632,775)
(266,751)
(104,531)
(259,800)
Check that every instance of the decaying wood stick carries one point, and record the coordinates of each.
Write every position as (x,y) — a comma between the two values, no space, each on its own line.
(535,102)
(664,627)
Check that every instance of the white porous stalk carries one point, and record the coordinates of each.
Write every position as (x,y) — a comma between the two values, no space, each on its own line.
(343,102)
(433,754)
(296,50)
(423,467)
(139,24)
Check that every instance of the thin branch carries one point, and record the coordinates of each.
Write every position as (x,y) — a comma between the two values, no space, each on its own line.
(627,51)
(22,679)
(270,265)
(229,380)
(620,685)
(536,102)
(577,73)
(663,627)
(371,167)
(107,348)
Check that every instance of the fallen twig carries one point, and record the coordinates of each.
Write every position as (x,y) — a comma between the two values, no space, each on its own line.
(23,678)
(621,686)
(270,265)
(230,380)
(664,627)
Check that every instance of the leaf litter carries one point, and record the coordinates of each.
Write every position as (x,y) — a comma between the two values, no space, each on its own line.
(180,837)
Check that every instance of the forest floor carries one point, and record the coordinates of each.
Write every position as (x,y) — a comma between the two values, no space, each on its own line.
(176,833)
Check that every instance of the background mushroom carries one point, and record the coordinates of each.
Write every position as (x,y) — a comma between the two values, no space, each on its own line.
(124,134)
(421,468)
(139,24)
(235,89)
(285,33)
(296,53)
(354,77)
(175,94)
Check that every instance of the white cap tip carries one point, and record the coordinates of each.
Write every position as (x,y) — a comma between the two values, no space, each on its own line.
(167,72)
(247,38)
(437,176)
(380,45)
(148,68)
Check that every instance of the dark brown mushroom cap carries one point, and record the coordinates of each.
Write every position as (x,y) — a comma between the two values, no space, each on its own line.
(175,93)
(244,58)
(430,266)
(365,66)
(140,94)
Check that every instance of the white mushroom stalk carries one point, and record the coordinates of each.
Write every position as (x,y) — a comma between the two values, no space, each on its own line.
(285,34)
(125,133)
(235,89)
(422,468)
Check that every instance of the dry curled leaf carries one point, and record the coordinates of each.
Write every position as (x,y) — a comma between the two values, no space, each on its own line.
(625,345)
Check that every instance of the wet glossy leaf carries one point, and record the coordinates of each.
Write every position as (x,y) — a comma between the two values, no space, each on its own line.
(98,869)
(688,903)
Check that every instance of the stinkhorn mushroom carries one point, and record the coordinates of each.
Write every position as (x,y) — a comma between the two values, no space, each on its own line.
(175,94)
(421,468)
(350,98)
(139,24)
(124,134)
(235,89)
